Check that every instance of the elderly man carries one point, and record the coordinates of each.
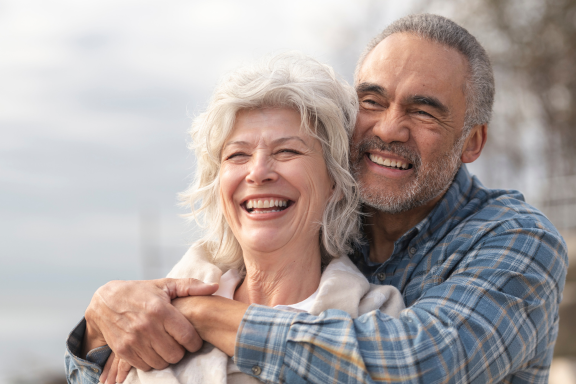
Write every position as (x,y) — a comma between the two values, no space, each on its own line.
(481,271)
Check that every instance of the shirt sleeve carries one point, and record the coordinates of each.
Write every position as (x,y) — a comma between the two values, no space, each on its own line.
(83,371)
(493,315)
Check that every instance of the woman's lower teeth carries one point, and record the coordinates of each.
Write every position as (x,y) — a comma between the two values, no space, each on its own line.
(272,210)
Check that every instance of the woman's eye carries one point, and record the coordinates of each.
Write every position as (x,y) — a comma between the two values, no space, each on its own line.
(236,155)
(289,151)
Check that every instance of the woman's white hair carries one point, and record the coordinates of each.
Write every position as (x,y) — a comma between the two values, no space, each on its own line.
(327,106)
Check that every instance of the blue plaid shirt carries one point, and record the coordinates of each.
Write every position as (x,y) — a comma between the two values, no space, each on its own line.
(482,277)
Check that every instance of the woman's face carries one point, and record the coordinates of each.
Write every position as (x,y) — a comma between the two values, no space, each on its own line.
(274,184)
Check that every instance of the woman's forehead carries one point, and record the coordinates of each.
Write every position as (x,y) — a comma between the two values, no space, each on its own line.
(269,124)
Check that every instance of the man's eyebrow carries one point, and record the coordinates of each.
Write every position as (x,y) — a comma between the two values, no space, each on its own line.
(429,101)
(371,87)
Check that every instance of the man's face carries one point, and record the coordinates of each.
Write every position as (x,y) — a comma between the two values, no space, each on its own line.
(406,146)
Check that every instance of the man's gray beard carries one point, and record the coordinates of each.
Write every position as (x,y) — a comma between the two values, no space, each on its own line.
(432,179)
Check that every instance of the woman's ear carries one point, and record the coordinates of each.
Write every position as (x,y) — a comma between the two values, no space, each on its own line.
(474,143)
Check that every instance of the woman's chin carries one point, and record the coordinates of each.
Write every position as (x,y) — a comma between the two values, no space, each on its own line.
(265,241)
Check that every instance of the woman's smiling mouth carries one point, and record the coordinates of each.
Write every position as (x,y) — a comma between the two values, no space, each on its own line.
(266,205)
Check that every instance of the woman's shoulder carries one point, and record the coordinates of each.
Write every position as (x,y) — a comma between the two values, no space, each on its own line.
(197,264)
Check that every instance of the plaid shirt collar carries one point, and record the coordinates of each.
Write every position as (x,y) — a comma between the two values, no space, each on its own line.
(441,220)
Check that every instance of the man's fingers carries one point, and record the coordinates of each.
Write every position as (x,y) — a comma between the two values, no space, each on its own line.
(153,359)
(178,326)
(168,349)
(127,353)
(107,367)
(111,378)
(186,287)
(123,370)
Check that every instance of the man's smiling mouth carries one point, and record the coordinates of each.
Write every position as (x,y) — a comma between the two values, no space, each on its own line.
(388,163)
(266,205)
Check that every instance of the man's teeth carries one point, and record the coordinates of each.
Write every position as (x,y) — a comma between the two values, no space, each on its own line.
(256,203)
(387,162)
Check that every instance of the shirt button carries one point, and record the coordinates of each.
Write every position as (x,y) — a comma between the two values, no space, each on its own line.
(412,250)
(381,276)
(95,370)
(256,370)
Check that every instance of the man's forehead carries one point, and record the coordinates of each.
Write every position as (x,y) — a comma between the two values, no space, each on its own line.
(408,56)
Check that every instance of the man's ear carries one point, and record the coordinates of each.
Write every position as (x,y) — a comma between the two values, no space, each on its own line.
(474,143)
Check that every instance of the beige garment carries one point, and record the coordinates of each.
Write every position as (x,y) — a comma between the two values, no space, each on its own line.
(342,286)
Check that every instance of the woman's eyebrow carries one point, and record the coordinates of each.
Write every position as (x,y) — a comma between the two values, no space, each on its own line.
(236,142)
(279,141)
(282,140)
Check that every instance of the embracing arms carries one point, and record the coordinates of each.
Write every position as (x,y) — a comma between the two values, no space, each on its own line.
(492,316)
(137,321)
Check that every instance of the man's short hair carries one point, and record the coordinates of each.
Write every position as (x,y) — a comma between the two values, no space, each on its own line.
(479,88)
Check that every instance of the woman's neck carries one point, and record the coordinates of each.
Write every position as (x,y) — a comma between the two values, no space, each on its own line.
(279,278)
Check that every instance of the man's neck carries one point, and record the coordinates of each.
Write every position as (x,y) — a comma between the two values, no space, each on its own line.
(383,229)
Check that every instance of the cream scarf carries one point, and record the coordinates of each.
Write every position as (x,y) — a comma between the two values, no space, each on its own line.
(342,286)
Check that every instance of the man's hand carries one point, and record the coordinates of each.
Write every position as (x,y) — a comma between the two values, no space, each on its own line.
(215,318)
(137,320)
(115,370)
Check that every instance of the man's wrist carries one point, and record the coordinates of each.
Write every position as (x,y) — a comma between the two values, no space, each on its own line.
(93,338)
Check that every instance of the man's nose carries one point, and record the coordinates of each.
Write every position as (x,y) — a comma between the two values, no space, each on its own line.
(261,170)
(392,126)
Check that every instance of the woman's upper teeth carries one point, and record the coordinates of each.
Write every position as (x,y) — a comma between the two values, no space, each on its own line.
(387,162)
(266,203)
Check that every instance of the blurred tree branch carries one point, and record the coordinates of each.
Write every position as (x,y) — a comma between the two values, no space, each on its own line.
(532,42)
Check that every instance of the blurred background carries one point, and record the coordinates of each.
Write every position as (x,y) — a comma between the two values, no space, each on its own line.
(96,98)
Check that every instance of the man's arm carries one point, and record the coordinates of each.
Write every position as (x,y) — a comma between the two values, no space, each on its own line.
(137,320)
(493,316)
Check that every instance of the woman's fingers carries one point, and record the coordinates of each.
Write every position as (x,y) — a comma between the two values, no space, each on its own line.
(123,370)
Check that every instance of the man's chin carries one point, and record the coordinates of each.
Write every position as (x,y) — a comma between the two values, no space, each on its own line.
(391,206)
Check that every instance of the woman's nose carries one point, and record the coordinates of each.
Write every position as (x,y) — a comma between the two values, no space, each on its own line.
(261,170)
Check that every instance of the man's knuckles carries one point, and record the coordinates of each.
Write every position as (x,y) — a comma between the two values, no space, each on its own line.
(174,355)
(157,308)
(190,340)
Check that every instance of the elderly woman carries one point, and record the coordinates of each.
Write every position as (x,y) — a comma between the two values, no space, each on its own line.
(278,204)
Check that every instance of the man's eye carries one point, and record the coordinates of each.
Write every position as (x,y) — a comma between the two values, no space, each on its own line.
(423,113)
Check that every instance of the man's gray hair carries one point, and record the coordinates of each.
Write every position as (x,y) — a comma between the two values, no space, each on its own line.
(327,106)
(480,82)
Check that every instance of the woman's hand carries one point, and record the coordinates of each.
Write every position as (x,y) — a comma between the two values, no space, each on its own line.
(115,371)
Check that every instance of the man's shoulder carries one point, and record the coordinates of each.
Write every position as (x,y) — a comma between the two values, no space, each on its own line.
(500,225)
(494,211)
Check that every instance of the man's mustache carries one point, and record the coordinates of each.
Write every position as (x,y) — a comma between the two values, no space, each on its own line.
(396,148)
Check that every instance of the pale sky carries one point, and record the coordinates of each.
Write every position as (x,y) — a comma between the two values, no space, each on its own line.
(96,98)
